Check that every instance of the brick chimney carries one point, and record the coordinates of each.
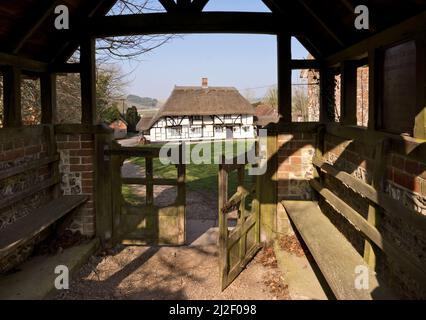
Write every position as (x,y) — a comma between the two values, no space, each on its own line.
(204,83)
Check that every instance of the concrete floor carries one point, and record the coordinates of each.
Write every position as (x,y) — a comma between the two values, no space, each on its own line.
(35,278)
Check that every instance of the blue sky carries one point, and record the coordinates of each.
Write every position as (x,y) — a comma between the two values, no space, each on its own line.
(247,62)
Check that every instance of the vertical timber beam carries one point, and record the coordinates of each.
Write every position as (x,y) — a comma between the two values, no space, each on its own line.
(88,81)
(420,121)
(12,96)
(48,98)
(372,89)
(267,188)
(284,76)
(348,93)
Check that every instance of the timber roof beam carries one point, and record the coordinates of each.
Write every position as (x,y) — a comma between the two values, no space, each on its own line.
(183,22)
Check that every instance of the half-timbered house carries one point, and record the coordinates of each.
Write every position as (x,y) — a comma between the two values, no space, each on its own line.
(203,113)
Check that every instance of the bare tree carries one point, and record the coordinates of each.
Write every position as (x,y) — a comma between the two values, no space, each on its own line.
(131,47)
(271,97)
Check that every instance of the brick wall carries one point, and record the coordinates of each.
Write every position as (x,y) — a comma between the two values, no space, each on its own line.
(405,182)
(295,168)
(77,176)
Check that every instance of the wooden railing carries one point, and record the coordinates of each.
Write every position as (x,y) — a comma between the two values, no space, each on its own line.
(380,203)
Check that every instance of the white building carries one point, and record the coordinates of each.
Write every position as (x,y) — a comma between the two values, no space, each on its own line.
(203,113)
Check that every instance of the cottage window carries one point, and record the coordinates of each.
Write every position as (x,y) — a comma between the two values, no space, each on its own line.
(196,130)
(197,118)
(218,129)
(175,131)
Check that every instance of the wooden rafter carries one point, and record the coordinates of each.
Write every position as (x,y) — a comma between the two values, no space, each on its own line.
(69,46)
(169,5)
(322,23)
(33,22)
(302,36)
(198,5)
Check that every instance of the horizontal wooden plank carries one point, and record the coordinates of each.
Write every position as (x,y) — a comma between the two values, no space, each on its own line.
(22,132)
(392,207)
(413,148)
(4,174)
(9,200)
(388,247)
(181,23)
(134,152)
(155,181)
(148,211)
(305,64)
(240,230)
(76,128)
(22,230)
(335,256)
(23,63)
(293,127)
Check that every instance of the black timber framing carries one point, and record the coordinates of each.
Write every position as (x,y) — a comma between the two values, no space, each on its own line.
(33,21)
(88,81)
(12,96)
(348,93)
(284,76)
(48,98)
(181,22)
(22,63)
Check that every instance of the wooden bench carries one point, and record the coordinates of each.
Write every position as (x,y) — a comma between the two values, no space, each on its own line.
(335,256)
(19,232)
(38,219)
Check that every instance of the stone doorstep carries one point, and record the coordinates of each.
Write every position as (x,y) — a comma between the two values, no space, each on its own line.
(298,275)
(35,281)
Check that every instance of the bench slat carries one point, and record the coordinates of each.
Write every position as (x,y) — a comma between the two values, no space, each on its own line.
(36,221)
(335,256)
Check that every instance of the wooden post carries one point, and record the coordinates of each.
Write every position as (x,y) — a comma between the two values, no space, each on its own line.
(420,121)
(380,163)
(349,93)
(267,186)
(48,98)
(88,81)
(223,223)
(372,89)
(284,76)
(12,96)
(181,196)
(149,174)
(103,177)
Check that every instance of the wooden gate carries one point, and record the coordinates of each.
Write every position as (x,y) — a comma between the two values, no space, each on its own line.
(146,223)
(237,244)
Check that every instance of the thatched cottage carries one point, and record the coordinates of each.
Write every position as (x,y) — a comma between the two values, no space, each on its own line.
(203,113)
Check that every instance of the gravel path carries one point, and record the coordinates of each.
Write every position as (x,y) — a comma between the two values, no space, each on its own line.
(189,272)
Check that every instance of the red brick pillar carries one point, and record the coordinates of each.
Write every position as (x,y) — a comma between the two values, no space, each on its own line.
(77,176)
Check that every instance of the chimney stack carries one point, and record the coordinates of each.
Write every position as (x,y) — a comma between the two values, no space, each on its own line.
(204,83)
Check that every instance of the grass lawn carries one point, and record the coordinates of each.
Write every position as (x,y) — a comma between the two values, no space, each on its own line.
(201,176)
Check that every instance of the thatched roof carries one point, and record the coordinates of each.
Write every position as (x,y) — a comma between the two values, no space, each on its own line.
(144,124)
(266,114)
(199,101)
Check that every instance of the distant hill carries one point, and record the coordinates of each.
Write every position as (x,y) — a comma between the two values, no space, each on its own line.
(142,101)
